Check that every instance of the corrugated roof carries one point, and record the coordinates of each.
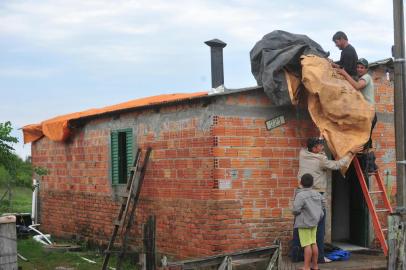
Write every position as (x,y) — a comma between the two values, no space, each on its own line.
(387,61)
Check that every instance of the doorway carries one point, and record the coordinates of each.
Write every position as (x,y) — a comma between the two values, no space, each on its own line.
(349,212)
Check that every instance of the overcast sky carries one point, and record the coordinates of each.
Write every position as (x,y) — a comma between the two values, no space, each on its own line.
(65,56)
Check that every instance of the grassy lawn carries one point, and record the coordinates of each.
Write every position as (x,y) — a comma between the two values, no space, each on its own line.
(42,260)
(20,200)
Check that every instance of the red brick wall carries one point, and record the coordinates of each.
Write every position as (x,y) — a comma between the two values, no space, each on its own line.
(214,187)
(384,132)
(217,180)
(256,175)
(383,89)
(232,183)
(178,184)
(384,137)
(75,196)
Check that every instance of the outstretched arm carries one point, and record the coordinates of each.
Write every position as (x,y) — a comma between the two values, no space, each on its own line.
(357,85)
(338,164)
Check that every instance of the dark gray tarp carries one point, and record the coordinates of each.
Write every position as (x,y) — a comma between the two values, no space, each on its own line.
(276,51)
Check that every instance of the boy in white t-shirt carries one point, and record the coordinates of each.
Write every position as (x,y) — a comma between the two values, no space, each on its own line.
(365,85)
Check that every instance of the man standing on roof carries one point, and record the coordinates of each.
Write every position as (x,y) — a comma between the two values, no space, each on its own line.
(314,161)
(349,57)
(365,85)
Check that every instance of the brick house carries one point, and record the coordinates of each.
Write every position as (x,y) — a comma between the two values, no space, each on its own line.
(217,180)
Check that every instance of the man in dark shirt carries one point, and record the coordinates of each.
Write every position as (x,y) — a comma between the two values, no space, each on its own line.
(349,57)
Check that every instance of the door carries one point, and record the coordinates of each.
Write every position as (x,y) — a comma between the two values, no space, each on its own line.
(359,217)
(350,219)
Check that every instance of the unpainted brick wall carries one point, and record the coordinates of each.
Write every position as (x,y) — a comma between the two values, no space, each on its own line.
(217,180)
(384,139)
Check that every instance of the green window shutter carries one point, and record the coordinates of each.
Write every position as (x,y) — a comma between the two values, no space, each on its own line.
(114,158)
(121,155)
(129,150)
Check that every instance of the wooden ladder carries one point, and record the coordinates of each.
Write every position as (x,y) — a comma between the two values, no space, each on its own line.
(373,210)
(127,208)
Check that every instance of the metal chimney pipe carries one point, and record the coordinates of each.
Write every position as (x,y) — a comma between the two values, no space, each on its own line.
(217,70)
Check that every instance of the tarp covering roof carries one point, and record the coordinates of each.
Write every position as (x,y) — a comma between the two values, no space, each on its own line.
(276,52)
(57,129)
(341,113)
(287,64)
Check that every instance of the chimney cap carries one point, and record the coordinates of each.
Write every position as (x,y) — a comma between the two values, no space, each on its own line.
(216,43)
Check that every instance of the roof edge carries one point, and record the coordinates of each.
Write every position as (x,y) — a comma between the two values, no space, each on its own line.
(383,62)
(228,91)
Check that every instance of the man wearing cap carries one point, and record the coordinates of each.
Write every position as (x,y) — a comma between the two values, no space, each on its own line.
(313,160)
(349,57)
(365,85)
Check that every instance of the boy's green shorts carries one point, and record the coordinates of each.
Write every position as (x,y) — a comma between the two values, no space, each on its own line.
(307,236)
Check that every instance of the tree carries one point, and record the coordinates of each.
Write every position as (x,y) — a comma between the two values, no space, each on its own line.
(14,170)
(6,150)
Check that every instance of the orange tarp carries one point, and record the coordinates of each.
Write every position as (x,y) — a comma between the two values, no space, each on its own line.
(57,129)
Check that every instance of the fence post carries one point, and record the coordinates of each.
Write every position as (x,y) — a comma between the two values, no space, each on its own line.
(397,242)
(8,243)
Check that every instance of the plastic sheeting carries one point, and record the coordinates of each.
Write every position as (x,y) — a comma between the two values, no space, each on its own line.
(276,52)
(341,113)
(286,64)
(57,129)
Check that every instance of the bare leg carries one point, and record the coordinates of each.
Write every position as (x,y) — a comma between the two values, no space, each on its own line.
(315,255)
(307,257)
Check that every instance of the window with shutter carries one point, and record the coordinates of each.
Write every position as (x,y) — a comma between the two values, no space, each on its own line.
(121,155)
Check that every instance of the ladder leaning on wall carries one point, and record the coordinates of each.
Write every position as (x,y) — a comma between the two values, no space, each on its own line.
(127,208)
(373,210)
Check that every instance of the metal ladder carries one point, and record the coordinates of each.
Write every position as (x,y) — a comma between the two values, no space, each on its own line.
(373,211)
(127,208)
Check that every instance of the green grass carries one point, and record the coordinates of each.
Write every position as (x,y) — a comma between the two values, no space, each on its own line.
(20,200)
(43,260)
(39,258)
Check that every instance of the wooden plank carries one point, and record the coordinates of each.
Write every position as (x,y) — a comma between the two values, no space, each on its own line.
(397,242)
(227,264)
(275,262)
(149,242)
(119,219)
(272,265)
(217,259)
(134,196)
(279,255)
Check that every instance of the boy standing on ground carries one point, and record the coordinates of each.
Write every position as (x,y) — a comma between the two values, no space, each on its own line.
(314,161)
(308,210)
